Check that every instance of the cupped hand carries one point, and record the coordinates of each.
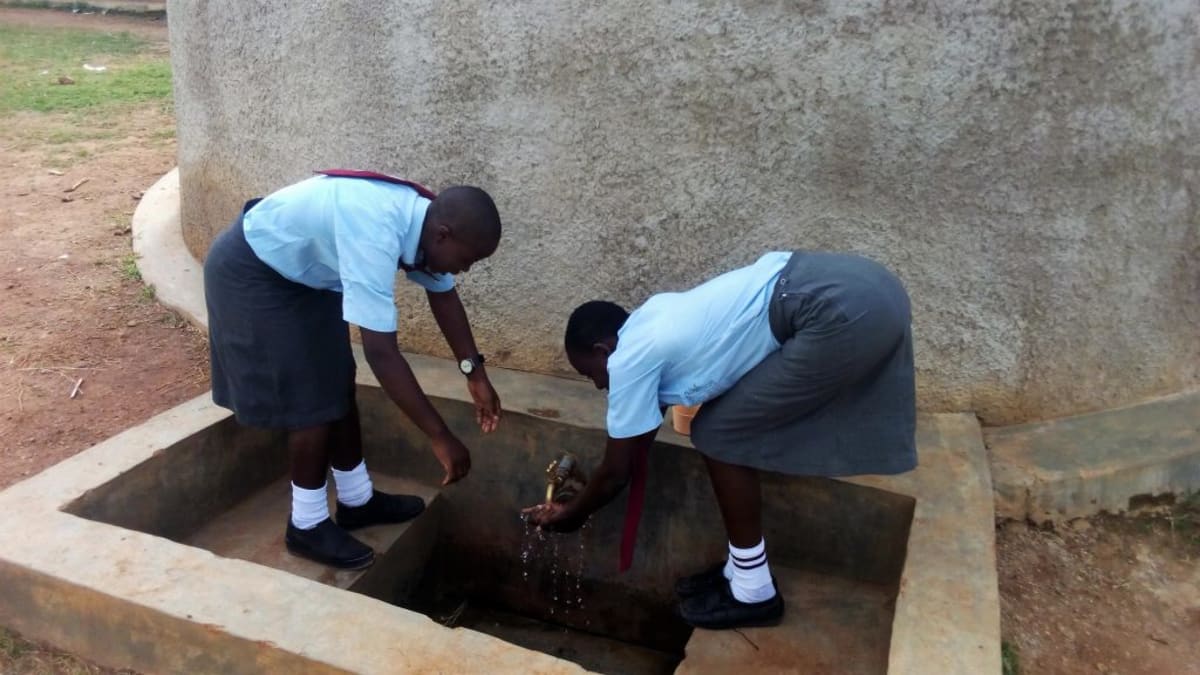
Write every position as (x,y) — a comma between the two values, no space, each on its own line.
(487,403)
(453,455)
(553,516)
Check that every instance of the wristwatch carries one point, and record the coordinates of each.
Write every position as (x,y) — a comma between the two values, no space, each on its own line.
(468,366)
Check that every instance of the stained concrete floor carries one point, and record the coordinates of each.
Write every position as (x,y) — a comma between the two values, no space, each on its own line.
(253,531)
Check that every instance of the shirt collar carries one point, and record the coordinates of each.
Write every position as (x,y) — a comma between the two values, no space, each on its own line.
(412,257)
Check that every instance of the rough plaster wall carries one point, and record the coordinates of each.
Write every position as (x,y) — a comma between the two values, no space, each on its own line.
(1028,168)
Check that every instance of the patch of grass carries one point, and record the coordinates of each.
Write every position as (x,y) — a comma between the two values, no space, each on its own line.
(1174,517)
(74,135)
(1191,503)
(11,646)
(82,6)
(32,59)
(1010,663)
(129,269)
(172,319)
(1185,519)
(18,655)
(148,293)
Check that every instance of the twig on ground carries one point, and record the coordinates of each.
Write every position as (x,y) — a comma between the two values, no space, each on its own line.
(77,391)
(453,618)
(746,638)
(77,184)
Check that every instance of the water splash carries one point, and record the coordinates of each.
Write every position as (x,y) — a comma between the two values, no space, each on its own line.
(554,573)
(556,562)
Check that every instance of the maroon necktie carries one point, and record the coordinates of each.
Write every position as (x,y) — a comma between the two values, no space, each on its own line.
(633,510)
(354,173)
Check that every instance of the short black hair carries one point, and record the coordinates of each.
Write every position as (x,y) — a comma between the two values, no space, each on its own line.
(592,322)
(471,213)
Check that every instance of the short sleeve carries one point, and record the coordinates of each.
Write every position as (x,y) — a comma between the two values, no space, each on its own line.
(367,254)
(434,283)
(634,371)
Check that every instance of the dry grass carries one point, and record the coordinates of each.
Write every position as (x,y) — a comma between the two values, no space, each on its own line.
(19,656)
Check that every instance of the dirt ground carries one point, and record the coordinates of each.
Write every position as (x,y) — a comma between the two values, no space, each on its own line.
(1105,594)
(1115,595)
(74,308)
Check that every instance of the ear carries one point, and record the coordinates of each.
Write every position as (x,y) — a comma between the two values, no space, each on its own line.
(602,349)
(443,232)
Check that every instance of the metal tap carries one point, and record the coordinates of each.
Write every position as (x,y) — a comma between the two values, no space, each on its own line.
(563,478)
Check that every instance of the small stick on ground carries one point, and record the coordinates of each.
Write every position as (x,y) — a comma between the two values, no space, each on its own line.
(77,184)
(451,620)
(746,638)
(76,391)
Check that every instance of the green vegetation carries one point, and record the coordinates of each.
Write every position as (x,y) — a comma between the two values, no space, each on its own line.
(32,61)
(1185,520)
(129,269)
(18,655)
(11,646)
(1009,661)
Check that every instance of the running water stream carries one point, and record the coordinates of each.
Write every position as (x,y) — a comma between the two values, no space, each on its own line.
(554,563)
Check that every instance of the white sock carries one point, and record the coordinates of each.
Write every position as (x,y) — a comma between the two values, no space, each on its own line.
(309,507)
(749,574)
(354,486)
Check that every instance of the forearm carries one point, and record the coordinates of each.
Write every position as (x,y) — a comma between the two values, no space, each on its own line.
(397,379)
(451,318)
(603,486)
(611,477)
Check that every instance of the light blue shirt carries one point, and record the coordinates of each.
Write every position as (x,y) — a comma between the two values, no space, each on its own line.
(688,348)
(347,235)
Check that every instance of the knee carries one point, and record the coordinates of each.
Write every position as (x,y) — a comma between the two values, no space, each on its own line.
(311,439)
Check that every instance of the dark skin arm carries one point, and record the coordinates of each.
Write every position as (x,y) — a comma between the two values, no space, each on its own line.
(397,379)
(451,317)
(605,483)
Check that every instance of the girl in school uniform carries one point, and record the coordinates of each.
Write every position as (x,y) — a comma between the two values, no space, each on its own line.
(283,283)
(803,362)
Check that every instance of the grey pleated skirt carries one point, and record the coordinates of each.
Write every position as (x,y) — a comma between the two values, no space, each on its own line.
(280,351)
(838,397)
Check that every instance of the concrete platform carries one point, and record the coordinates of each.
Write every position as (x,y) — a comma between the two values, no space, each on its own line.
(947,613)
(254,529)
(128,598)
(1079,466)
(89,585)
(162,257)
(860,614)
(947,616)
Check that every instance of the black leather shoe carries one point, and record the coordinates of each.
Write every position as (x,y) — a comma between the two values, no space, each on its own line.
(718,609)
(703,582)
(380,509)
(330,545)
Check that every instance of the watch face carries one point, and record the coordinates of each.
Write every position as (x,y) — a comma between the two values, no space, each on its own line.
(466,365)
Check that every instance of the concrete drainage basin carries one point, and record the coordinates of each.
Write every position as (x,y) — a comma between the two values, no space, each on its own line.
(162,550)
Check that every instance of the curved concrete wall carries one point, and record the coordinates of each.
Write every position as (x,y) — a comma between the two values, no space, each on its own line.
(1029,169)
